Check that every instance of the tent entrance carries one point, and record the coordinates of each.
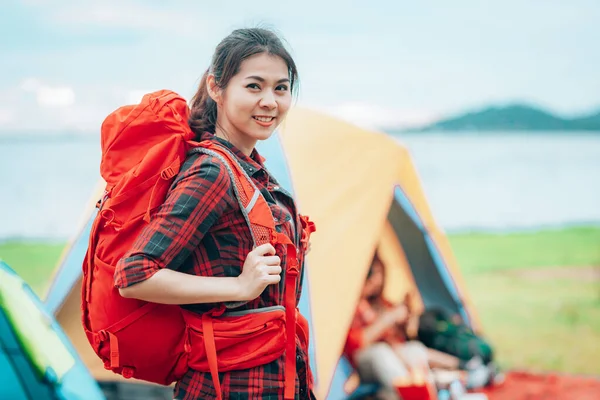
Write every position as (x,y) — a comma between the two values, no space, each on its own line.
(431,275)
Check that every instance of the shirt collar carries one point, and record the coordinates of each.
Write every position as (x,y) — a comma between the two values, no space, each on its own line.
(251,164)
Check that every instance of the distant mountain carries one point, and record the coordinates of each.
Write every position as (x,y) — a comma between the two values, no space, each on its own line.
(513,117)
(591,122)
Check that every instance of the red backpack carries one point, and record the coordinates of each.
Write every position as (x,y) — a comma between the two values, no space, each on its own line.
(143,148)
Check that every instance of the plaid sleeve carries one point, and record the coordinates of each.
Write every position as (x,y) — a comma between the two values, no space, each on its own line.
(196,200)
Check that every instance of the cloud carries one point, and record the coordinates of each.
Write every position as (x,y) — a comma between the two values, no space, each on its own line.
(30,85)
(6,116)
(49,96)
(55,97)
(377,117)
(57,108)
(131,16)
(82,118)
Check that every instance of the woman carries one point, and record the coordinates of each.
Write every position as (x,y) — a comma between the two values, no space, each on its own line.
(197,250)
(378,345)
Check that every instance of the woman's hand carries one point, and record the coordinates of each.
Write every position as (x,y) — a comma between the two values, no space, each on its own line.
(397,315)
(261,269)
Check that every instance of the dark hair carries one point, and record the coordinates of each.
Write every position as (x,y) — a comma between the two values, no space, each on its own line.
(376,260)
(229,55)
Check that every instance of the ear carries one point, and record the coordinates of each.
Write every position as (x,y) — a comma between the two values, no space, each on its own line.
(214,91)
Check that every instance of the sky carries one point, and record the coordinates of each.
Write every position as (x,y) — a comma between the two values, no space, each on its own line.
(65,64)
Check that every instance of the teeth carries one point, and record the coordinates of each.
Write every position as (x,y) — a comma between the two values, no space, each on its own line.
(264,119)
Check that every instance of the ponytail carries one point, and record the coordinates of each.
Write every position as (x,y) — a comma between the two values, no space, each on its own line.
(203,113)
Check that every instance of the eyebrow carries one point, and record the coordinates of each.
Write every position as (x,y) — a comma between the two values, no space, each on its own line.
(260,79)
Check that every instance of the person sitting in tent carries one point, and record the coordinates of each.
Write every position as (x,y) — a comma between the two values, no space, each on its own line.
(378,347)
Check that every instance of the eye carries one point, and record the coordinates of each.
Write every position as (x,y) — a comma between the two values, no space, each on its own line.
(282,88)
(253,86)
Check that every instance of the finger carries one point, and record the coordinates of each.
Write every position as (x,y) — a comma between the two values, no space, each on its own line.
(272,260)
(272,279)
(273,269)
(264,249)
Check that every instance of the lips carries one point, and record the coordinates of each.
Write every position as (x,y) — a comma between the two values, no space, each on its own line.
(263,120)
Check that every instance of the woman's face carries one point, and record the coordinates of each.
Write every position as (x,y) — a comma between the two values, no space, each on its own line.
(255,101)
(375,282)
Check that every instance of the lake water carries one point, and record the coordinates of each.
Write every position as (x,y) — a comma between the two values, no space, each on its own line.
(473,181)
(509,181)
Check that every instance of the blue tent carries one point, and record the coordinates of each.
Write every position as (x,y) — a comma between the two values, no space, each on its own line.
(37,361)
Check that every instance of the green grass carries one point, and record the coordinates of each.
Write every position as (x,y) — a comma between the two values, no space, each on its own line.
(535,317)
(33,261)
(540,324)
(477,252)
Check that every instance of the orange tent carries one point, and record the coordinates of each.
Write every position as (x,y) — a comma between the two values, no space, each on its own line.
(363,192)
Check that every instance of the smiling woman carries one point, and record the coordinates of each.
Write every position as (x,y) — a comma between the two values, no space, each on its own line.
(254,100)
(216,261)
(246,92)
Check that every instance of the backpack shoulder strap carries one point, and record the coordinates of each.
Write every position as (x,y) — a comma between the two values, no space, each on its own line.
(254,207)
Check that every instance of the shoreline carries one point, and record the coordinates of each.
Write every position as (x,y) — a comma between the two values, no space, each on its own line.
(461,232)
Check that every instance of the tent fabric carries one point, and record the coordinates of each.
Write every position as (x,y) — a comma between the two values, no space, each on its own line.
(38,339)
(343,179)
(64,278)
(362,190)
(18,378)
(36,359)
(436,287)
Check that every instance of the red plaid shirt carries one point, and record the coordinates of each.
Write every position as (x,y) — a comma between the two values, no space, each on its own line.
(201,230)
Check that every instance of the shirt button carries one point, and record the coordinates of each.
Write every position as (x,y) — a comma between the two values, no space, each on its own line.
(275,187)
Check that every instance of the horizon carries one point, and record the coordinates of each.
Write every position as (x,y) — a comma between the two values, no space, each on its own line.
(74,132)
(68,64)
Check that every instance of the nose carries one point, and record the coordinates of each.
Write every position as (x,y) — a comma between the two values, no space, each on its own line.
(268,101)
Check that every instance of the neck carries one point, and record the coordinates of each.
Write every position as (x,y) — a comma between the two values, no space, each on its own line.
(243,144)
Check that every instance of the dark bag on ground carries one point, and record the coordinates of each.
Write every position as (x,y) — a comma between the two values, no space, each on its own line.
(442,331)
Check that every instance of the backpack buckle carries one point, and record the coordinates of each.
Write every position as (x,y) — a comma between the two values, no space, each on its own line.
(167,173)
